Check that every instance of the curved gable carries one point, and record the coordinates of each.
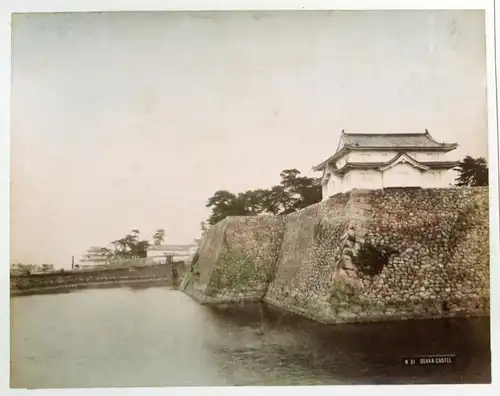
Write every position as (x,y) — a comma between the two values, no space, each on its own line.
(405,159)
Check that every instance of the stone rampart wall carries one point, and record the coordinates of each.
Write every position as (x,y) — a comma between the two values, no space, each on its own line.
(236,259)
(361,256)
(402,253)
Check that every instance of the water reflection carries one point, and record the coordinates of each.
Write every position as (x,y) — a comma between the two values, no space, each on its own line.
(354,353)
(161,337)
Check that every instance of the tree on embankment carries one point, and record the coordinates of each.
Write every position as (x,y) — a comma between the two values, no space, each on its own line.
(159,236)
(294,192)
(130,246)
(472,172)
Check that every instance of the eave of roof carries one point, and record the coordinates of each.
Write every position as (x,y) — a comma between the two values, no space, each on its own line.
(333,157)
(441,165)
(380,165)
(358,165)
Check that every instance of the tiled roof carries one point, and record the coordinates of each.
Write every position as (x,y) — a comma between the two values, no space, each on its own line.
(386,141)
(396,140)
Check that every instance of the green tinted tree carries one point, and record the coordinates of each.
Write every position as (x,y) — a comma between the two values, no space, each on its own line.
(293,193)
(472,172)
(300,191)
(159,236)
(130,246)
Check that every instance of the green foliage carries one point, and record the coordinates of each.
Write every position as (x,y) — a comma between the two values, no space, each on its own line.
(98,254)
(127,247)
(193,275)
(300,191)
(293,193)
(195,265)
(130,246)
(320,231)
(343,293)
(235,270)
(159,236)
(472,172)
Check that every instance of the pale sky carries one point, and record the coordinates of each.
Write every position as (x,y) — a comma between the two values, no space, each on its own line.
(126,121)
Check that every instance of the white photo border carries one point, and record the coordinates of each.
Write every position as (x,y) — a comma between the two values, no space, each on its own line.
(7,7)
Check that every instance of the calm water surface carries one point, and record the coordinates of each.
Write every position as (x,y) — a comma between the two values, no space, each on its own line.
(161,337)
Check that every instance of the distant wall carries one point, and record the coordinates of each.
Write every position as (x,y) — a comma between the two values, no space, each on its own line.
(68,280)
(360,256)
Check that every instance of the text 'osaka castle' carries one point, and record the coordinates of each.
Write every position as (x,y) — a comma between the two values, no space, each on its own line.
(376,161)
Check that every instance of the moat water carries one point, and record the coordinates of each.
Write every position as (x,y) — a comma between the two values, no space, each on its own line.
(160,337)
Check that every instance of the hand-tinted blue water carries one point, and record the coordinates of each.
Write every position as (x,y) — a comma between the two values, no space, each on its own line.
(160,337)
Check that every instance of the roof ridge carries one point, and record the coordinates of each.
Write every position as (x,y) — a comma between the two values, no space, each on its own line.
(385,134)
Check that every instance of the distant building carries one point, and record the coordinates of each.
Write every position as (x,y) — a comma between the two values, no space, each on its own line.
(161,253)
(376,161)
